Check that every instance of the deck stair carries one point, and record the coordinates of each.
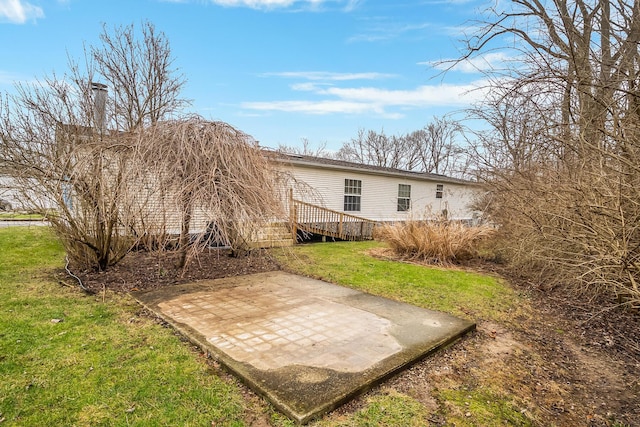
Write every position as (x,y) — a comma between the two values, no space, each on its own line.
(274,235)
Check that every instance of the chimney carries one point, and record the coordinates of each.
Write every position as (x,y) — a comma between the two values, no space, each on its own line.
(99,105)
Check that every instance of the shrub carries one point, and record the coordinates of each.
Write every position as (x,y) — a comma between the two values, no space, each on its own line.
(436,241)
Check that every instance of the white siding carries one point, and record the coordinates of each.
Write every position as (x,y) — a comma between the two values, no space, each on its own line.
(380,194)
(8,192)
(14,195)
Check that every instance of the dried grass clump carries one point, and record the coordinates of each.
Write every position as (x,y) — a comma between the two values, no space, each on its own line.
(435,241)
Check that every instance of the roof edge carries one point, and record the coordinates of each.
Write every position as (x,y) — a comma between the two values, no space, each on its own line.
(334,164)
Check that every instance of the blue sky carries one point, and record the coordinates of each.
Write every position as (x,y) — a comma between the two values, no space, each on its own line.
(280,70)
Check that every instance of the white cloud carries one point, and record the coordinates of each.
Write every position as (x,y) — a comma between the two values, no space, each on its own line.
(450,2)
(491,61)
(388,103)
(274,4)
(462,31)
(8,78)
(313,107)
(321,79)
(328,76)
(352,5)
(19,11)
(422,96)
(378,29)
(256,4)
(307,87)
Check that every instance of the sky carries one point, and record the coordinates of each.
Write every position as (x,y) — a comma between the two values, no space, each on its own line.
(279,70)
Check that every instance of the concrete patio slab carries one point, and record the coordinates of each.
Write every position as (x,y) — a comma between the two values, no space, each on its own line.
(306,345)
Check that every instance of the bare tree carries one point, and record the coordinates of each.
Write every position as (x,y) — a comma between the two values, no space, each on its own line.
(210,179)
(566,190)
(436,149)
(64,168)
(71,160)
(433,149)
(378,149)
(306,150)
(517,138)
(145,86)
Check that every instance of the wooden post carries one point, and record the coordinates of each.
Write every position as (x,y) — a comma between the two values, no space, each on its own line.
(340,225)
(293,222)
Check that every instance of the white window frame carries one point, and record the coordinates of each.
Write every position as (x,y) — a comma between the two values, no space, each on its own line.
(352,195)
(404,197)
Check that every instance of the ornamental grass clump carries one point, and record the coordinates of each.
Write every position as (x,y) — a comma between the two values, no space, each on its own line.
(437,241)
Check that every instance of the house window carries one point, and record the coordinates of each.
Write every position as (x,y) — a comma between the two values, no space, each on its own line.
(439,191)
(404,197)
(352,194)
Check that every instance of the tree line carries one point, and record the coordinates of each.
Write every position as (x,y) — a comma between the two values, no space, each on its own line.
(438,148)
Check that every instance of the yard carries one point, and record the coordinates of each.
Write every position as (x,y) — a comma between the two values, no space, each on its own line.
(71,358)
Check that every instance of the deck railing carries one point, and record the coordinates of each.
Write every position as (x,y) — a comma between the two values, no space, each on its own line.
(315,219)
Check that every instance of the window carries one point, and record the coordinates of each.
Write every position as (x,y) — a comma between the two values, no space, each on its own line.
(404,197)
(439,191)
(352,194)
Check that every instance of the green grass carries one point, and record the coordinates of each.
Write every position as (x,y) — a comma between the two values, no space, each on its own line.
(14,215)
(481,407)
(458,292)
(387,409)
(98,363)
(71,359)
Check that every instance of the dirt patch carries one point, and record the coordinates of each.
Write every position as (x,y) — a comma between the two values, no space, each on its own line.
(140,271)
(553,383)
(502,343)
(564,364)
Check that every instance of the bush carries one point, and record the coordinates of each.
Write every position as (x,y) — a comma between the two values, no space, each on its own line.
(436,241)
(573,230)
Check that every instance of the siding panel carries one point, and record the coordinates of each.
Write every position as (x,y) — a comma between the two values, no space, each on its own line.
(380,193)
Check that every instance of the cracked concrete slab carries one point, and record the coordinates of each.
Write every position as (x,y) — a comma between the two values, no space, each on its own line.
(306,345)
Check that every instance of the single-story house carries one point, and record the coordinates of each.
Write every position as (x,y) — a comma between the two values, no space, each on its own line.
(377,193)
(345,200)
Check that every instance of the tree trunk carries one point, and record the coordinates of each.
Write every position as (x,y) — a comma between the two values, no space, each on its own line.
(183,245)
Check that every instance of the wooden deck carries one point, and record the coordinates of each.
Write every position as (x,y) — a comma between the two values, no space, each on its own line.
(315,219)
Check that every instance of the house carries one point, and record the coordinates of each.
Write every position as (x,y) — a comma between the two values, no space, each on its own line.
(14,198)
(323,196)
(8,196)
(365,194)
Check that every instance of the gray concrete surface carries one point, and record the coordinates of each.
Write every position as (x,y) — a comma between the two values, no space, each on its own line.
(306,345)
(22,223)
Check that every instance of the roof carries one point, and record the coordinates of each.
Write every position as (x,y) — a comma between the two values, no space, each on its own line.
(334,164)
